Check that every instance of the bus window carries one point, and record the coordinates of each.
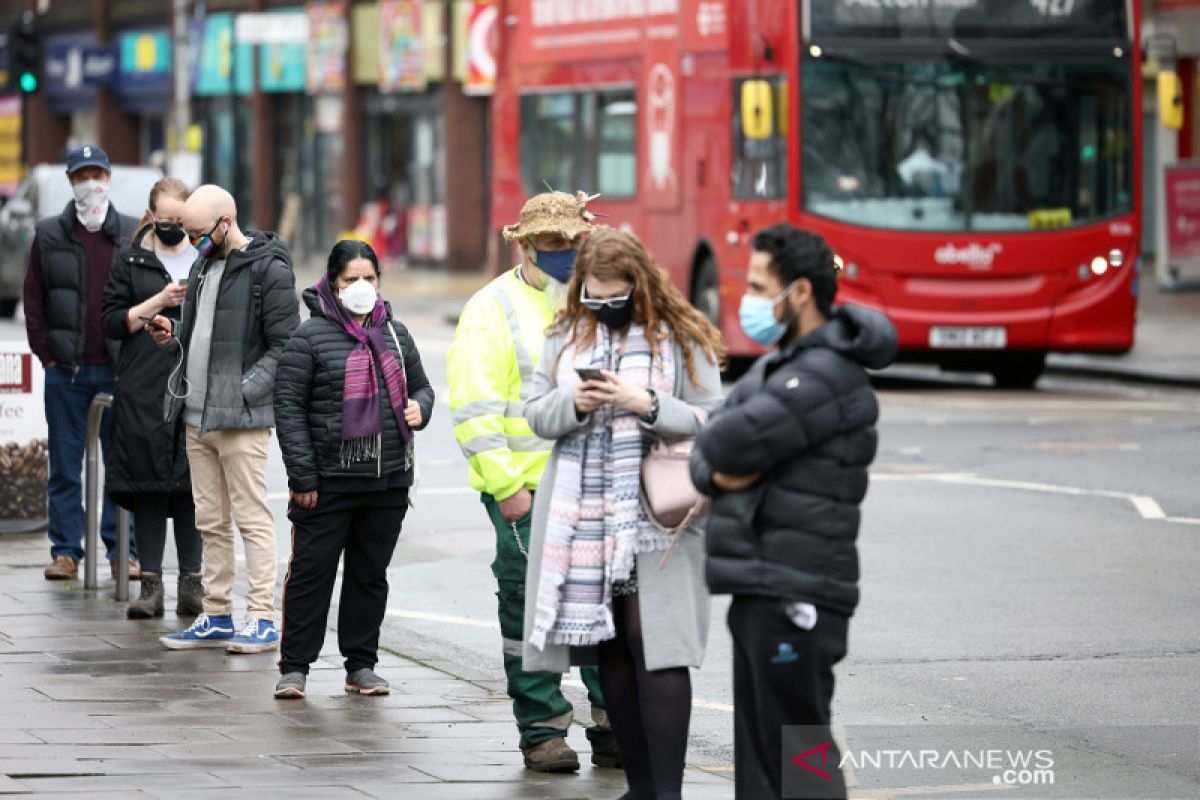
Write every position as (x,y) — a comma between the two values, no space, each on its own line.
(759,161)
(580,140)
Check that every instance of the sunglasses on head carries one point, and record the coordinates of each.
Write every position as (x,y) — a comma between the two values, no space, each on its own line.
(593,304)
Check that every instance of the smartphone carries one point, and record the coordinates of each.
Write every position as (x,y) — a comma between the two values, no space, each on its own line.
(182,282)
(590,374)
(154,324)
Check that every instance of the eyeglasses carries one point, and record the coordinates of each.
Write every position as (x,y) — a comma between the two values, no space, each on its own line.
(593,304)
(195,238)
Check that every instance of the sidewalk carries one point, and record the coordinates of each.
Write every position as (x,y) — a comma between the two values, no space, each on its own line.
(1166,342)
(93,707)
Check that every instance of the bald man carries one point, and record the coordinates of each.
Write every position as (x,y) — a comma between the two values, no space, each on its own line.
(239,311)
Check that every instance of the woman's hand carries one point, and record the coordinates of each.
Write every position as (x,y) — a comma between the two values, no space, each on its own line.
(162,329)
(412,414)
(305,500)
(171,296)
(624,394)
(588,397)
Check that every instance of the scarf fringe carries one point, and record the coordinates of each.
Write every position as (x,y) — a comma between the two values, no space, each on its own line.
(360,449)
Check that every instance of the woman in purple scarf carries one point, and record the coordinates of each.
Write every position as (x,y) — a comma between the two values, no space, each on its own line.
(349,392)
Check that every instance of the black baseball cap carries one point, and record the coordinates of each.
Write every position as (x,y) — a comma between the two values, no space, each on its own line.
(89,155)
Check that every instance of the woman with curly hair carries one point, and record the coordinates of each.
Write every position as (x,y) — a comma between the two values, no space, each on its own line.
(627,361)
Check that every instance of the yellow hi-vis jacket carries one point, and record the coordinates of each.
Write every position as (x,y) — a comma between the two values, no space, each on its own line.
(496,348)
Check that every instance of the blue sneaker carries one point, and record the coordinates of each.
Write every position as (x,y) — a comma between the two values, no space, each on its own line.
(257,636)
(206,631)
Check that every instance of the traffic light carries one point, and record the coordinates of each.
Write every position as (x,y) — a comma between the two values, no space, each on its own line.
(25,54)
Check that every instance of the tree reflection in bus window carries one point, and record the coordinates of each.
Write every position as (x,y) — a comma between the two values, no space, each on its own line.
(758,167)
(580,140)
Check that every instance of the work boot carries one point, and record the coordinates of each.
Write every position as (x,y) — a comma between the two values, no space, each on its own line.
(552,755)
(135,573)
(189,595)
(62,568)
(150,604)
(605,751)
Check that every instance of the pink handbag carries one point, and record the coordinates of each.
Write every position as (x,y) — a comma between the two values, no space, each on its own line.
(669,499)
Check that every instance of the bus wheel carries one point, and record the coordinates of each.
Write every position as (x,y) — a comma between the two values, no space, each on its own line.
(706,290)
(1018,370)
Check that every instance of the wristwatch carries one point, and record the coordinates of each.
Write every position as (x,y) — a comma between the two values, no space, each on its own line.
(651,416)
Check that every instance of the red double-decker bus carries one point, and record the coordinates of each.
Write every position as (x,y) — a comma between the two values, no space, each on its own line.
(974,163)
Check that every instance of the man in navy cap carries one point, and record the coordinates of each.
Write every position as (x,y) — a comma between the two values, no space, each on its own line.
(68,267)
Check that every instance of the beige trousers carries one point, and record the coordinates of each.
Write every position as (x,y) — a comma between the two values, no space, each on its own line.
(229,484)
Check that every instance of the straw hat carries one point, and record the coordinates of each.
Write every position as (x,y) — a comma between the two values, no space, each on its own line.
(553,212)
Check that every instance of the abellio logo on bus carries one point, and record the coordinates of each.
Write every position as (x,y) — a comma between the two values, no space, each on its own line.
(973,255)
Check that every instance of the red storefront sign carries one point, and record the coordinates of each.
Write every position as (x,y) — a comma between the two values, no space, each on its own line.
(1183,211)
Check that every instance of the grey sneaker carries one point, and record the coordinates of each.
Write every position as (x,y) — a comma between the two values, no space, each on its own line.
(365,681)
(291,686)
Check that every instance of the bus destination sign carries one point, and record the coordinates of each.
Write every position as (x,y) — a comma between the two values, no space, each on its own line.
(968,19)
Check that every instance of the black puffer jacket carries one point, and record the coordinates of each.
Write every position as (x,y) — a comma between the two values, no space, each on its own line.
(148,454)
(309,386)
(256,313)
(804,417)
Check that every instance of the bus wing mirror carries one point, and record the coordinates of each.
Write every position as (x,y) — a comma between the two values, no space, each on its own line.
(1170,100)
(758,110)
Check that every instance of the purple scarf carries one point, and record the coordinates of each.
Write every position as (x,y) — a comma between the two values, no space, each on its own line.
(362,420)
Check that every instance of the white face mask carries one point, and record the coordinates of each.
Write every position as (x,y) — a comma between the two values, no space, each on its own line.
(91,203)
(359,297)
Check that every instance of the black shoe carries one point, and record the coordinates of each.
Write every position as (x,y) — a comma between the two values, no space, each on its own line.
(605,752)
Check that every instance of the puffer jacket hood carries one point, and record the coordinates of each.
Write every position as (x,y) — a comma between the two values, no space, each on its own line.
(859,333)
(263,245)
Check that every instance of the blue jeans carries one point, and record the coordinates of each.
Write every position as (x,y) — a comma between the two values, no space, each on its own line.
(68,396)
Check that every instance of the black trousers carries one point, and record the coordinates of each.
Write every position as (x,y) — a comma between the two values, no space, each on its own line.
(150,513)
(362,528)
(783,675)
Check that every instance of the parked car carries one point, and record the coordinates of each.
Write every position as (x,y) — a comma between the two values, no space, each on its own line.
(45,192)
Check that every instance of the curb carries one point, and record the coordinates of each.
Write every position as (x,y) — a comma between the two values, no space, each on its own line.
(1124,375)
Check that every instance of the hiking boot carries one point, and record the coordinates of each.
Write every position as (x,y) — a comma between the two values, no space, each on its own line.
(552,755)
(365,681)
(207,631)
(291,686)
(189,595)
(135,572)
(150,604)
(256,636)
(62,568)
(605,752)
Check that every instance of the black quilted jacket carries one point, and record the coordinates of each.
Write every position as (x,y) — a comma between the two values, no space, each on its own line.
(804,417)
(309,385)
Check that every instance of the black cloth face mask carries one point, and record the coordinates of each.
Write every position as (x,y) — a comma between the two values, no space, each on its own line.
(169,233)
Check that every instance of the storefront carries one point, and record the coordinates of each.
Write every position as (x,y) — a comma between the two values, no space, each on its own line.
(143,87)
(75,67)
(224,80)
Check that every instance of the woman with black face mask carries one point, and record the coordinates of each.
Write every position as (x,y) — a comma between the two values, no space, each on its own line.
(147,470)
(628,361)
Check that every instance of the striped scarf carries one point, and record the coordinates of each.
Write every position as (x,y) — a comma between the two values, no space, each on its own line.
(596,525)
(362,420)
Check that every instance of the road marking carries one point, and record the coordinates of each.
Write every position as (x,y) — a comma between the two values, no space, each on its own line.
(696,703)
(1147,507)
(922,791)
(445,619)
(421,491)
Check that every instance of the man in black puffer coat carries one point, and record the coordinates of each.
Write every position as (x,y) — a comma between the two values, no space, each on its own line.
(786,464)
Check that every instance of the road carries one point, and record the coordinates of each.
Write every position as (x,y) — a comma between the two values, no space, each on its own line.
(1029,567)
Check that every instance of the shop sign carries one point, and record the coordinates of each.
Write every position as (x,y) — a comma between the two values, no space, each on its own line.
(222,65)
(11,171)
(482,40)
(24,463)
(328,43)
(1182,183)
(401,52)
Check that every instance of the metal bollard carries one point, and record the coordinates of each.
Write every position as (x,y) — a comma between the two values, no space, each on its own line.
(93,502)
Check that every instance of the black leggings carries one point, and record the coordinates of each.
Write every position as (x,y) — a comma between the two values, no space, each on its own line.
(650,711)
(150,515)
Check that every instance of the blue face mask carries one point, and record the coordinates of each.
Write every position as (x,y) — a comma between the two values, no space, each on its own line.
(757,315)
(558,264)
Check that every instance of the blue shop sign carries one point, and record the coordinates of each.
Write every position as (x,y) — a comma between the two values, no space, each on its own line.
(144,81)
(222,66)
(75,67)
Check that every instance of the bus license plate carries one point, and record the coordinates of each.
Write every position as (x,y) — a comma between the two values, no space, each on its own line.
(983,338)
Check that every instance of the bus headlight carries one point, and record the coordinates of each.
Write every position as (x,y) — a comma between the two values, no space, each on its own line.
(1099,265)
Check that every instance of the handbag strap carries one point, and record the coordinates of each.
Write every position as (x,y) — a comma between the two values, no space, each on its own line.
(693,512)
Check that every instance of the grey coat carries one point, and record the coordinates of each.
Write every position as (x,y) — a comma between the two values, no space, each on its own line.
(674,601)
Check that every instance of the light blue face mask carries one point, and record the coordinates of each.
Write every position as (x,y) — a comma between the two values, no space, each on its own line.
(757,315)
